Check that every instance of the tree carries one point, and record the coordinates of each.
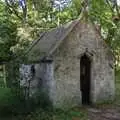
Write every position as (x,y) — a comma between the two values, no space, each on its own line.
(32,17)
(8,33)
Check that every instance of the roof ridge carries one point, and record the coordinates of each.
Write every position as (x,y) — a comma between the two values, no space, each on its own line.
(59,42)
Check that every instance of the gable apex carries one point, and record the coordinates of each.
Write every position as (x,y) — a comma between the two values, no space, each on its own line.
(49,41)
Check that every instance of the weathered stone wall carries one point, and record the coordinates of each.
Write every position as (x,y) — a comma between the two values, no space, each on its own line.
(25,74)
(41,79)
(67,67)
(46,73)
(28,79)
(61,78)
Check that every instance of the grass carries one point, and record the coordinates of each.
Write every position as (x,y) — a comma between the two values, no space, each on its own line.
(6,100)
(72,114)
(58,114)
(4,91)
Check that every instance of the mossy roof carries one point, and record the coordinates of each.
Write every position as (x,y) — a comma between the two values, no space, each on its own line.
(48,41)
(46,44)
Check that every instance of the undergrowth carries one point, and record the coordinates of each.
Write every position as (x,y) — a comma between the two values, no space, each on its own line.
(15,108)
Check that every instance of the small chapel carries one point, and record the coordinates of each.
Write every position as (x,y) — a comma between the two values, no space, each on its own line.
(72,63)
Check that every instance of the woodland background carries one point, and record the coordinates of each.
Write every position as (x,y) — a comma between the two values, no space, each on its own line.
(22,21)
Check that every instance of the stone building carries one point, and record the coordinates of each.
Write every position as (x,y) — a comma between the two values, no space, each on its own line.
(73,64)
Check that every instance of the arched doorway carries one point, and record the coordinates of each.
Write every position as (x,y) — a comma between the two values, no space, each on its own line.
(85,78)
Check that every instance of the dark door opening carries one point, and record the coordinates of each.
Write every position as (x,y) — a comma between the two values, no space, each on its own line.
(85,75)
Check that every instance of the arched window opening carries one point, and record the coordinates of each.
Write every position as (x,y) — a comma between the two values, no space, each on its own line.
(85,78)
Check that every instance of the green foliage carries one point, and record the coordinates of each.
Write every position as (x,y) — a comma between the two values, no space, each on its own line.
(71,114)
(57,114)
(9,102)
(7,38)
(12,74)
(21,25)
(41,99)
(40,114)
(13,102)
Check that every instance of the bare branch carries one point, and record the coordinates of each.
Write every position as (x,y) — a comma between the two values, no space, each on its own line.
(111,8)
(13,10)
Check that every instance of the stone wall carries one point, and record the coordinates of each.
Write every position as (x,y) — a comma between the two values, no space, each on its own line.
(39,81)
(67,67)
(61,78)
(28,79)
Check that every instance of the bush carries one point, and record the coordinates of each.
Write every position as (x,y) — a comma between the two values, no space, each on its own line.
(10,103)
(36,108)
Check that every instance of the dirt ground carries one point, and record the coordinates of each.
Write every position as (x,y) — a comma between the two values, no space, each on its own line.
(104,113)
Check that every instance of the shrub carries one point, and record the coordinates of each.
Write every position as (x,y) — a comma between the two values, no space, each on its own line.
(10,103)
(41,100)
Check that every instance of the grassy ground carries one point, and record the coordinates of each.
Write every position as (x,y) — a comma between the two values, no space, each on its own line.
(77,113)
(72,114)
(39,114)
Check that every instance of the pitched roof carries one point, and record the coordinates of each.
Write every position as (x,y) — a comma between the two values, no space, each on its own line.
(47,43)
(50,40)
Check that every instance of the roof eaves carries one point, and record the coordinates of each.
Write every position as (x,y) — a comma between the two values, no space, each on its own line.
(35,42)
